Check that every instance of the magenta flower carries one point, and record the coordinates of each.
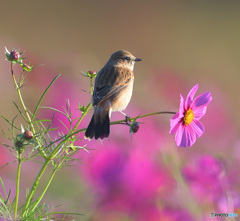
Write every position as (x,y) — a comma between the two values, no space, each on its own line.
(186,122)
(206,178)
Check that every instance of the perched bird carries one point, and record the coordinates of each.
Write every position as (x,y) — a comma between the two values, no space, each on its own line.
(112,92)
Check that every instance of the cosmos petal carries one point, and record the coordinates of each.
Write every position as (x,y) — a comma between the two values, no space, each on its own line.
(202,100)
(179,136)
(199,105)
(185,136)
(181,106)
(197,127)
(190,96)
(191,135)
(199,113)
(175,122)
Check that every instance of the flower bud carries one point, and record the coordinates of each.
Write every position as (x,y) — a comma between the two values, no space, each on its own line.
(19,146)
(14,55)
(28,135)
(26,66)
(92,72)
(135,127)
(19,143)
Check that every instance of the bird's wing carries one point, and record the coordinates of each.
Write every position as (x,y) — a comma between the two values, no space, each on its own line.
(109,82)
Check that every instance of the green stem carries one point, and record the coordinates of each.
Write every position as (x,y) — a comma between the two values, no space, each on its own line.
(46,187)
(25,109)
(91,85)
(129,119)
(142,116)
(72,132)
(21,99)
(17,185)
(34,186)
(47,161)
(83,115)
(86,109)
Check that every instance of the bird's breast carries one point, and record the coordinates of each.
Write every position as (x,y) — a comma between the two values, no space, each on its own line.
(123,98)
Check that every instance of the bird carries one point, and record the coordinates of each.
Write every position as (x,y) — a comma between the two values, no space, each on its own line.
(112,92)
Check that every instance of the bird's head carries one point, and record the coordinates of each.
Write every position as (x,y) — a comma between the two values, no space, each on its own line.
(124,58)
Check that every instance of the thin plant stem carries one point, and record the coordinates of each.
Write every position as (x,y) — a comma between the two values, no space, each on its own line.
(34,186)
(91,85)
(20,97)
(17,185)
(86,109)
(25,109)
(47,161)
(48,184)
(72,132)
(83,115)
(142,116)
(129,119)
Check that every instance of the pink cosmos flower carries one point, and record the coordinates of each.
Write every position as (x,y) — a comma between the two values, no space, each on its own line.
(205,176)
(186,122)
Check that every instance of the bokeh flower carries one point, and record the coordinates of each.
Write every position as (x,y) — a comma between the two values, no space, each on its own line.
(205,176)
(128,182)
(186,122)
(230,202)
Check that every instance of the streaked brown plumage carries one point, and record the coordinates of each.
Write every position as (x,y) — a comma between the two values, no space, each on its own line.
(112,92)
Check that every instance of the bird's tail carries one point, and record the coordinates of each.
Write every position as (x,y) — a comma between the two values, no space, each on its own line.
(90,132)
(99,126)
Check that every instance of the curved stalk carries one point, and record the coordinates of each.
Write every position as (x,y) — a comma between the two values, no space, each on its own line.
(25,109)
(21,99)
(83,115)
(17,185)
(48,184)
(47,161)
(142,116)
(34,187)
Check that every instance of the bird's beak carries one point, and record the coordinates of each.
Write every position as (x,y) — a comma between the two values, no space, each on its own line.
(137,59)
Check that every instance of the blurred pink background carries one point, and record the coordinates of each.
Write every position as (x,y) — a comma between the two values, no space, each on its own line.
(146,177)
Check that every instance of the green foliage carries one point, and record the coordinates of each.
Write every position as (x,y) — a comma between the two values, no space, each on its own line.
(32,141)
(6,208)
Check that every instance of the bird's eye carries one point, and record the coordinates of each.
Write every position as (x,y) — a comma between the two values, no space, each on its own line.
(127,58)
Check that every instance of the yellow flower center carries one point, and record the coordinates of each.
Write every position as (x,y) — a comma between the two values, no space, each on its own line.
(188,117)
